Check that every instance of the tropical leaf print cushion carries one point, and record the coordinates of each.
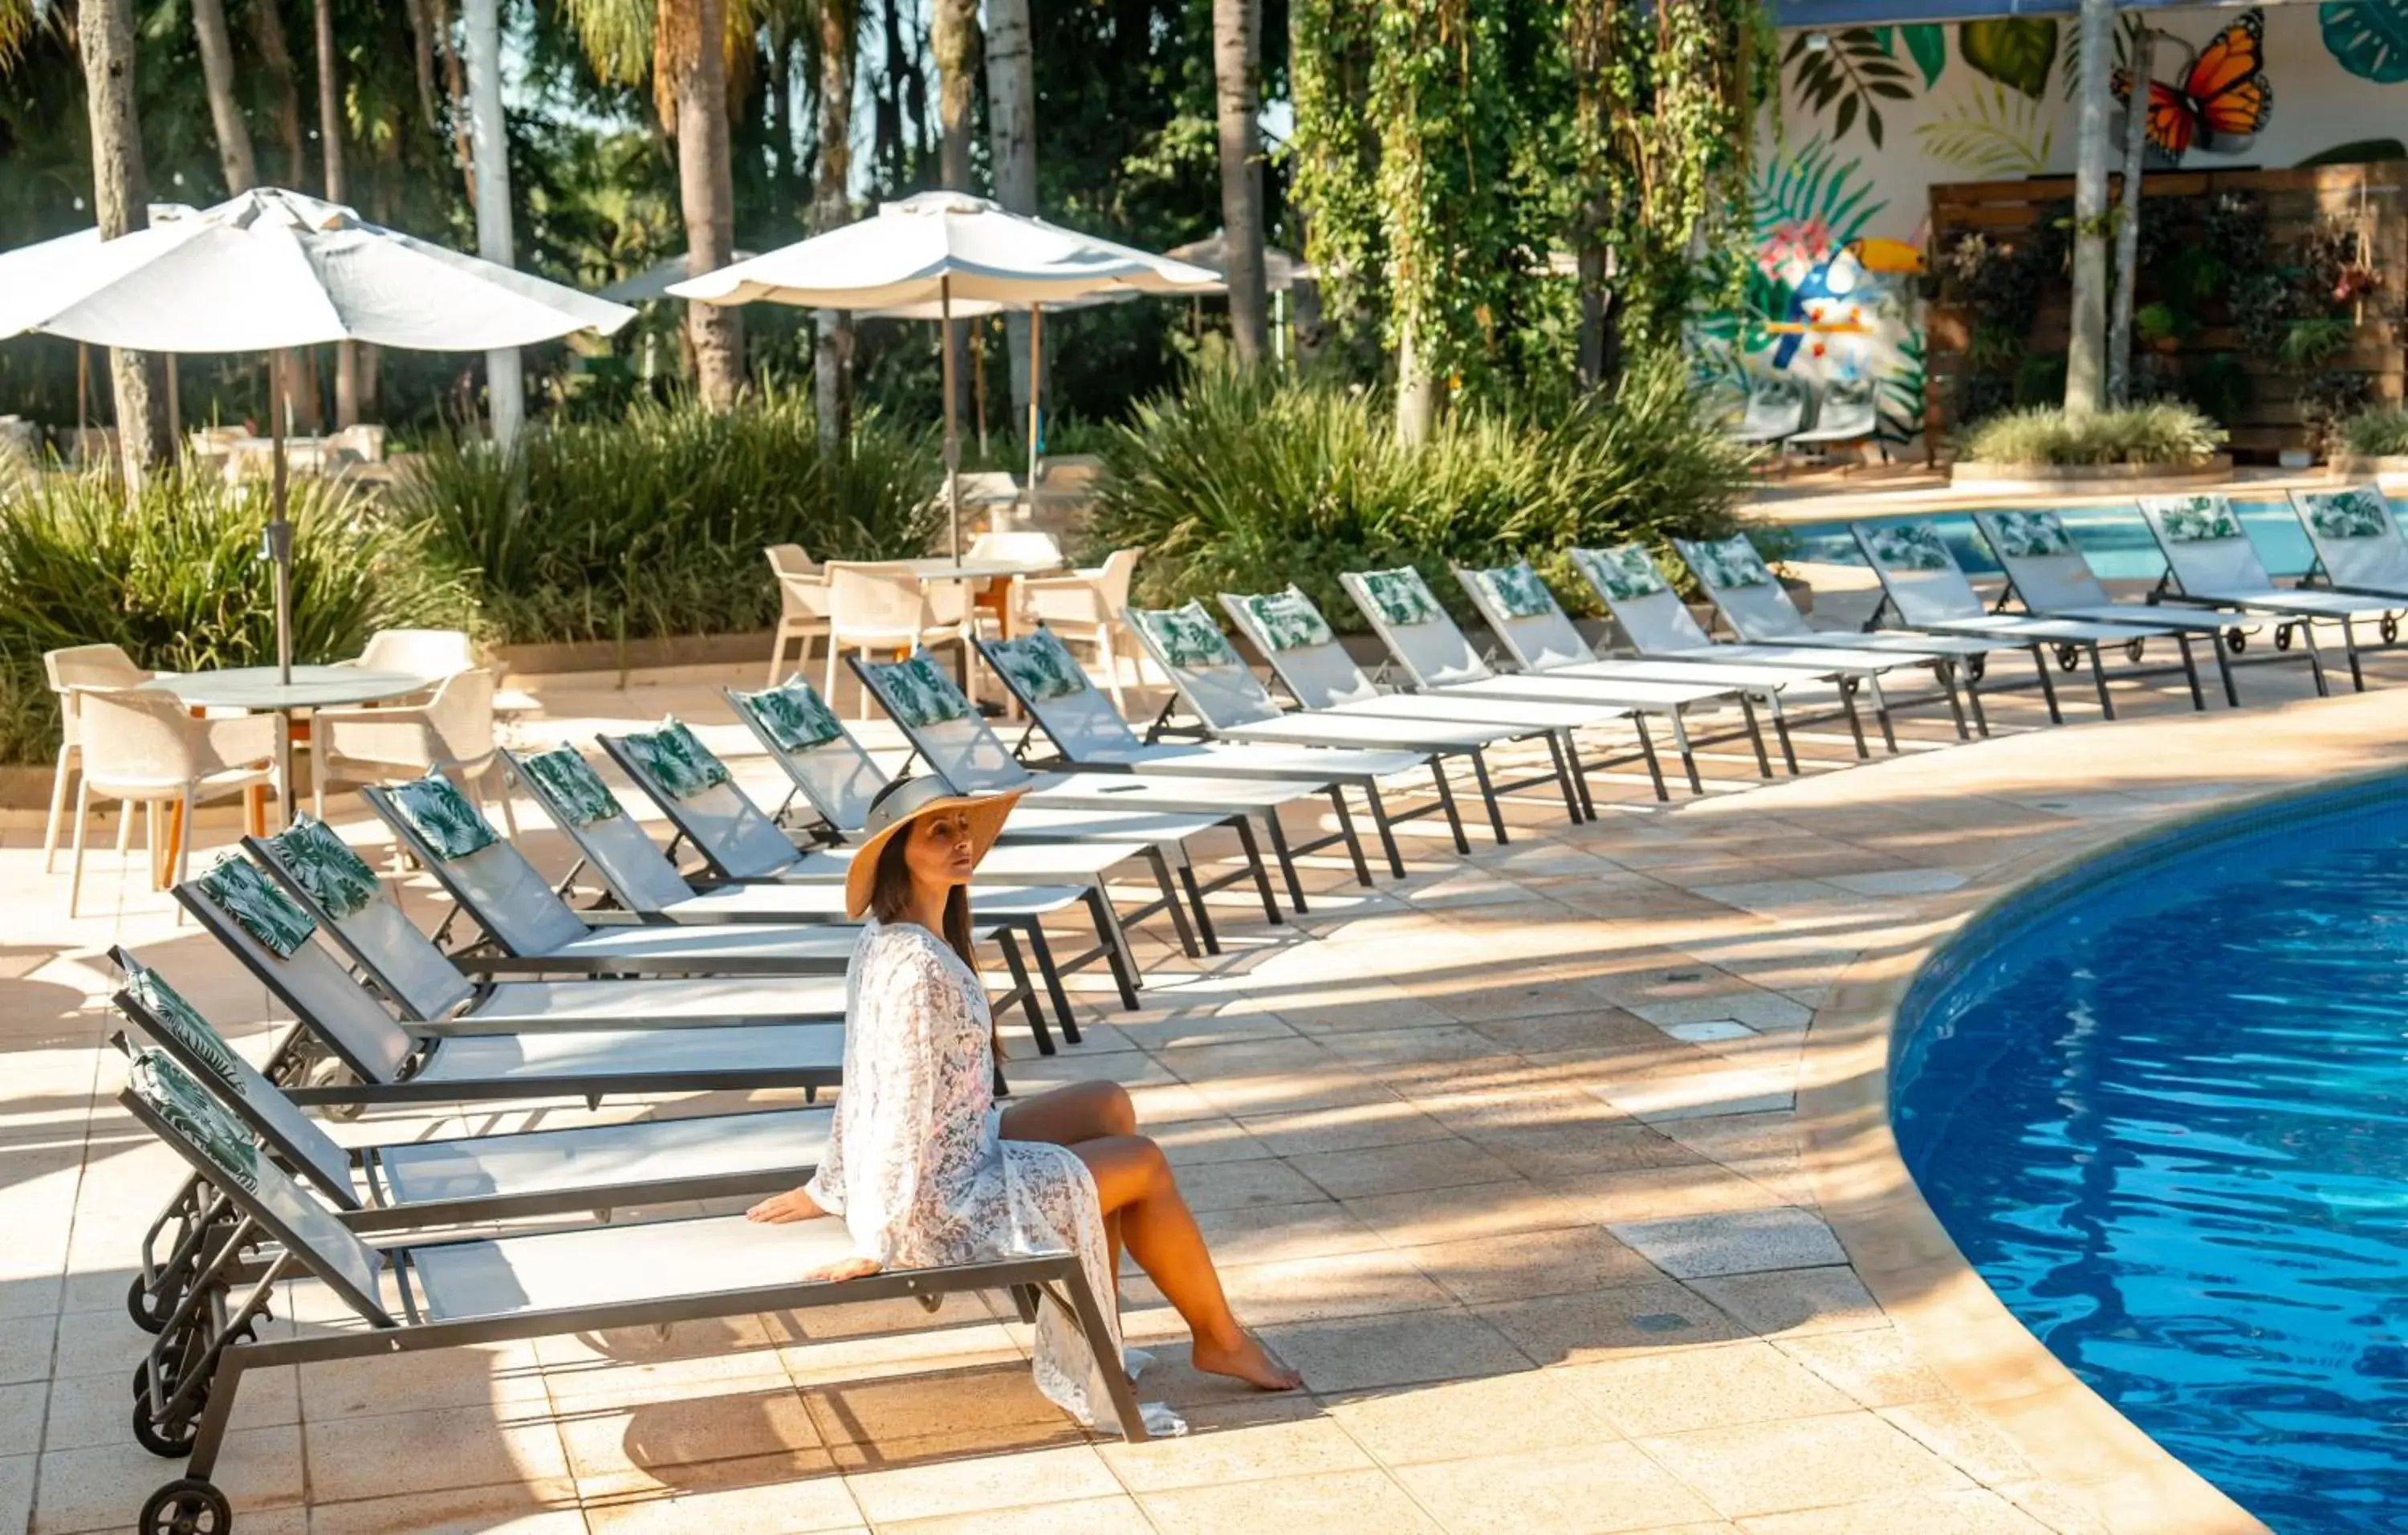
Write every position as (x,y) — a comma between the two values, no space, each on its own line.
(442,817)
(675,759)
(2031,535)
(571,787)
(181,1019)
(190,1111)
(1728,563)
(918,692)
(1909,546)
(1038,666)
(793,715)
(2353,513)
(337,879)
(1187,636)
(1624,573)
(1517,589)
(1288,620)
(2195,519)
(1401,596)
(263,911)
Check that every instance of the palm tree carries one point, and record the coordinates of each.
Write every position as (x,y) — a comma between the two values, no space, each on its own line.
(504,386)
(954,37)
(2086,354)
(1237,46)
(122,197)
(225,113)
(330,145)
(839,31)
(1011,140)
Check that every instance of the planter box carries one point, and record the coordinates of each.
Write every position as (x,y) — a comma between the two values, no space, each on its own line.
(2352,466)
(697,650)
(2085,479)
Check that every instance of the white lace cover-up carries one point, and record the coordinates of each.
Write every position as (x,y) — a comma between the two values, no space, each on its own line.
(917,1165)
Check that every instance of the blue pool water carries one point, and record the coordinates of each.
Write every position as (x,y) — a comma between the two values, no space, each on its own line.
(2114,538)
(2163,1110)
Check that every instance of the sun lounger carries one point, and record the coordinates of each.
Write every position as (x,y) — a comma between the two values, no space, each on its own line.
(2049,574)
(643,880)
(1089,734)
(2357,542)
(280,944)
(1922,582)
(960,747)
(352,906)
(1438,657)
(2210,561)
(420,1183)
(420,1294)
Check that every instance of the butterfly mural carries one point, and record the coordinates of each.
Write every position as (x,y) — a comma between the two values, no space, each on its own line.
(2221,98)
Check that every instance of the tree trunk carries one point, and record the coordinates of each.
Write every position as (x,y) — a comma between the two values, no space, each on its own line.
(121,198)
(2086,353)
(268,24)
(330,144)
(2128,230)
(832,209)
(707,192)
(886,143)
(778,108)
(455,89)
(953,36)
(1236,51)
(1011,141)
(235,155)
(482,32)
(421,60)
(1416,393)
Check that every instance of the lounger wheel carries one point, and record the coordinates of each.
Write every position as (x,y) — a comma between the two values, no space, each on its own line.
(2282,637)
(331,1072)
(171,1441)
(2236,641)
(1977,665)
(149,1311)
(2067,657)
(2390,627)
(187,1506)
(2132,649)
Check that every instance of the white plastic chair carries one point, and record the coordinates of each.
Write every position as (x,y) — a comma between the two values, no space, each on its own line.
(876,608)
(452,731)
(1086,606)
(1850,416)
(145,747)
(803,605)
(431,654)
(72,671)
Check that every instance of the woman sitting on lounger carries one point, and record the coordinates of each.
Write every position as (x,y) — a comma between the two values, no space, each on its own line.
(925,1168)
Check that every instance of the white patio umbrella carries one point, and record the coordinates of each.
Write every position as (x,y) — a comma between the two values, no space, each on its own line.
(270,269)
(947,248)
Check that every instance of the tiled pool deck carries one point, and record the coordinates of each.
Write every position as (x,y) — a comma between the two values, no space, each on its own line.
(1532,1163)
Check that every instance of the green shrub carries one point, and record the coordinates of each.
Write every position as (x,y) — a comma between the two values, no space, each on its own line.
(175,579)
(1247,481)
(2164,433)
(654,524)
(2374,434)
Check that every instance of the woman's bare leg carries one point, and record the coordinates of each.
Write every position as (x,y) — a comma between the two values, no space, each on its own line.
(1083,1111)
(1134,1182)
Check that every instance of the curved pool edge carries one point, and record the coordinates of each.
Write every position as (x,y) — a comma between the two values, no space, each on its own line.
(1907,1260)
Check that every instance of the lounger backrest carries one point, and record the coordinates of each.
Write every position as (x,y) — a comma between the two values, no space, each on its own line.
(2356,538)
(1538,639)
(834,773)
(2041,559)
(176,1027)
(1408,617)
(279,943)
(184,1114)
(1065,702)
(940,724)
(491,880)
(1212,679)
(1923,580)
(607,836)
(2205,546)
(1743,589)
(1650,612)
(737,837)
(306,859)
(1288,628)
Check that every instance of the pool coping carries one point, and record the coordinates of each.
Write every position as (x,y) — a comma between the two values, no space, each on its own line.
(1957,1326)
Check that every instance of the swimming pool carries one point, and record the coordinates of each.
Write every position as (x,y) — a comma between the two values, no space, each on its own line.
(2162,1108)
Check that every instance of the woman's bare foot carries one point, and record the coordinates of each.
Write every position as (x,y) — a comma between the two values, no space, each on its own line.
(796,1204)
(1246,1360)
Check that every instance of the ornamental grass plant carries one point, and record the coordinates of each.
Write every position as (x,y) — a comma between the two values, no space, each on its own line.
(2164,433)
(2374,434)
(1246,482)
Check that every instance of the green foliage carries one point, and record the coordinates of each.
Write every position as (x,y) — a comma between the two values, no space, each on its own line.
(1243,483)
(654,524)
(2374,434)
(2015,51)
(2368,38)
(2163,433)
(175,579)
(1995,133)
(1852,67)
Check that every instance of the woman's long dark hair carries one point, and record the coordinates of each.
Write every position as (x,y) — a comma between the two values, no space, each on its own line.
(890,900)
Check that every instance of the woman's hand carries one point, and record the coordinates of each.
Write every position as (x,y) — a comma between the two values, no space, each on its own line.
(779,1208)
(835,1274)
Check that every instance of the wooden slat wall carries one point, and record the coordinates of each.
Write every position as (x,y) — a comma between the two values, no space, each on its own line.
(2295,199)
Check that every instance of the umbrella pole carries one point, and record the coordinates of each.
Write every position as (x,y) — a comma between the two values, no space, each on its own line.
(1035,425)
(952,427)
(279,532)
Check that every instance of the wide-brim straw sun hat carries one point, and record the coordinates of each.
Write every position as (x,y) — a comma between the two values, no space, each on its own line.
(902,804)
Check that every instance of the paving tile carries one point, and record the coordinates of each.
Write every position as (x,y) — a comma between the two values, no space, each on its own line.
(620,1449)
(1524,1264)
(1964,1437)
(1734,1242)
(1643,1318)
(1288,1447)
(104,1488)
(26,1345)
(1486,1415)
(511,1508)
(436,1450)
(1712,1387)
(1399,1168)
(1794,1302)
(1085,1516)
(17,1491)
(1462,1213)
(503,1376)
(1975,1512)
(795,1506)
(1693,1189)
(1877,1366)
(1274,1233)
(1227,1185)
(903,1417)
(86,1411)
(1585,1488)
(946,1488)
(21,1410)
(1335,1502)
(1350,1128)
(1357,1355)
(1775,1467)
(1310,1289)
